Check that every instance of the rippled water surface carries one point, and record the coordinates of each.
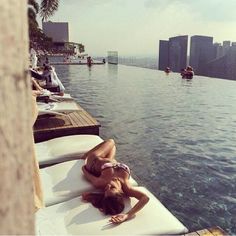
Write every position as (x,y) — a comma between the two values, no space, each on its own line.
(177,136)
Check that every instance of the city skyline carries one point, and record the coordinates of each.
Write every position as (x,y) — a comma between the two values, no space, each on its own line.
(134,28)
(206,58)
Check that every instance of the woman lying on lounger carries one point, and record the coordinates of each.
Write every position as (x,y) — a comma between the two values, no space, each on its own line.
(105,173)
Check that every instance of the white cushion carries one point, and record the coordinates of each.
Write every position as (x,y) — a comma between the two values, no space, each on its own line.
(65,97)
(65,148)
(65,181)
(76,217)
(57,107)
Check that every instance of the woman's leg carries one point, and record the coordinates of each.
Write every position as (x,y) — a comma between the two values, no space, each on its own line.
(106,149)
(96,157)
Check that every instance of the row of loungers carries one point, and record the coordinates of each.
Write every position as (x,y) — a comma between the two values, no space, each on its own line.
(65,212)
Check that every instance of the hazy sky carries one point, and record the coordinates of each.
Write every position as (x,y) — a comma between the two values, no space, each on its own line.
(134,27)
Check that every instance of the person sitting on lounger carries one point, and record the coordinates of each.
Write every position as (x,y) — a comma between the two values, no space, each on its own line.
(105,173)
(51,79)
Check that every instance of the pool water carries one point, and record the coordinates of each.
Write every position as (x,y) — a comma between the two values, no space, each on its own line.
(177,136)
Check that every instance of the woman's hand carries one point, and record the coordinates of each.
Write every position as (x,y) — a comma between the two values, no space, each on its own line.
(85,196)
(84,169)
(117,219)
(36,93)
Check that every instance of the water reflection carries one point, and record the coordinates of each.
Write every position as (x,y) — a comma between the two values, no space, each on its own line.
(89,68)
(187,82)
(112,71)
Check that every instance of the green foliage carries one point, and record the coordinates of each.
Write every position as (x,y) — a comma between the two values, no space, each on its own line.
(33,4)
(48,7)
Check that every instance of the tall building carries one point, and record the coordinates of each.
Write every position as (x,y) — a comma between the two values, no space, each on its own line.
(226,47)
(201,52)
(217,50)
(163,54)
(225,66)
(112,57)
(178,53)
(226,43)
(59,32)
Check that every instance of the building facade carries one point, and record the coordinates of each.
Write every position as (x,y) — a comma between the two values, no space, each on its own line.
(173,53)
(178,47)
(202,51)
(112,57)
(59,32)
(223,67)
(163,61)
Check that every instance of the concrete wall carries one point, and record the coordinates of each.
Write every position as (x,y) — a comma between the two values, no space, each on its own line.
(16,144)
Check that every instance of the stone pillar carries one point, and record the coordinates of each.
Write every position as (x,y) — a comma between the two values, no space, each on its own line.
(16,149)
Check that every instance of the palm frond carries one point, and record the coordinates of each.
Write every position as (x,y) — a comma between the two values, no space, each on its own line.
(48,8)
(31,14)
(34,5)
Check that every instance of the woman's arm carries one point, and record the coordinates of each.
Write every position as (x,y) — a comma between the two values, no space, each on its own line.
(36,85)
(142,201)
(95,181)
(34,109)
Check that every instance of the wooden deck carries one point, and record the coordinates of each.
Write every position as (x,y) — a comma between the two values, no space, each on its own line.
(214,231)
(80,122)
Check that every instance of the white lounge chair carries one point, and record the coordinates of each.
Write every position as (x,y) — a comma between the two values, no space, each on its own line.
(65,97)
(65,148)
(75,217)
(57,107)
(65,181)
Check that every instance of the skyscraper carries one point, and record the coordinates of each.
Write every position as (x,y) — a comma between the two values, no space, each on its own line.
(223,67)
(178,52)
(201,52)
(58,31)
(163,54)
(226,47)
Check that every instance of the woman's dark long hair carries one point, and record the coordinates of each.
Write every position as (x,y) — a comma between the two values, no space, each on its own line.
(111,205)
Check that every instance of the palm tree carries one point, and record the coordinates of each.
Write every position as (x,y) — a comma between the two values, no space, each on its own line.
(33,9)
(48,8)
(34,5)
(35,33)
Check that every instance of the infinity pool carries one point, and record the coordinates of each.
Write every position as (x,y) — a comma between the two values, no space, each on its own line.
(177,136)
